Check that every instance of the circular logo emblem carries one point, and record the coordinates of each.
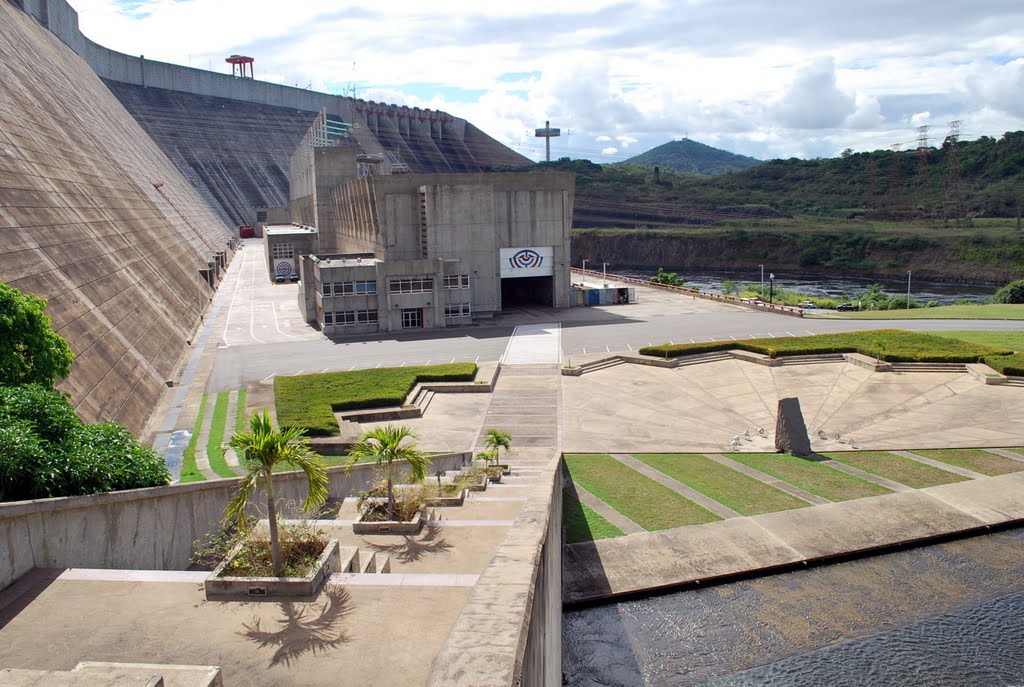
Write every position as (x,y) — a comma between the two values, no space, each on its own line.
(526,258)
(284,268)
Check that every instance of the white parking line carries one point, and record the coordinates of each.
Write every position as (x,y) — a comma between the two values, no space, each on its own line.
(791,333)
(270,376)
(629,347)
(771,335)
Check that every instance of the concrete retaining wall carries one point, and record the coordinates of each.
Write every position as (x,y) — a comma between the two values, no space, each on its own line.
(142,529)
(510,630)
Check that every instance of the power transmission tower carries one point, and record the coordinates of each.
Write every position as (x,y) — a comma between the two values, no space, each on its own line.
(921,179)
(954,188)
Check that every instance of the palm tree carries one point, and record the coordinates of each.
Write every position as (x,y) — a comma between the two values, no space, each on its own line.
(495,440)
(265,448)
(385,445)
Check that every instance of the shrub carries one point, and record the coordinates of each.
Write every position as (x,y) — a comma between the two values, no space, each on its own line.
(1007,364)
(310,401)
(1011,293)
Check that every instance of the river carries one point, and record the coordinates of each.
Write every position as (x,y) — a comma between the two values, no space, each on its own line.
(944,615)
(838,287)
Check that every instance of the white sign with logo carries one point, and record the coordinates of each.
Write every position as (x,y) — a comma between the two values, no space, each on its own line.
(527,262)
(284,267)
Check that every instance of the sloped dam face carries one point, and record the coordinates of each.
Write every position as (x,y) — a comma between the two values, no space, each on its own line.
(948,614)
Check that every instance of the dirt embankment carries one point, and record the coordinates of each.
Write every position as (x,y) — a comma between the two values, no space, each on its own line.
(956,259)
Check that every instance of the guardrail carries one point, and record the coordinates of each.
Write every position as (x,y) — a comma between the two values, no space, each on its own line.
(697,293)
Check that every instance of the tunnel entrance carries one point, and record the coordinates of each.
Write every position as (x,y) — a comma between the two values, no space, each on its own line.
(526,291)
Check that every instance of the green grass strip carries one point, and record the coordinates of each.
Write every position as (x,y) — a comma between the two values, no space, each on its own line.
(638,497)
(1011,340)
(583,523)
(992,311)
(733,489)
(975,460)
(893,345)
(897,468)
(215,442)
(241,414)
(189,469)
(310,401)
(816,478)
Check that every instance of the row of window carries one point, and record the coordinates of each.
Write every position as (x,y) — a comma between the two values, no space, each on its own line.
(348,288)
(411,285)
(341,318)
(282,251)
(456,281)
(457,310)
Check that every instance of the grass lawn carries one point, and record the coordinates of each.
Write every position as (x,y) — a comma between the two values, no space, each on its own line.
(582,523)
(816,478)
(1011,340)
(733,489)
(897,468)
(638,497)
(991,311)
(329,461)
(215,442)
(974,459)
(241,414)
(189,470)
(310,401)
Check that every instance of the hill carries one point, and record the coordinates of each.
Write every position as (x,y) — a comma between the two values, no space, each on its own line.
(693,157)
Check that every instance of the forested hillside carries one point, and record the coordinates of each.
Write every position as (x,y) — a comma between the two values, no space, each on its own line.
(692,157)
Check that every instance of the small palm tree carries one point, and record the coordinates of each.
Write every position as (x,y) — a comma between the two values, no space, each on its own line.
(495,440)
(384,446)
(265,448)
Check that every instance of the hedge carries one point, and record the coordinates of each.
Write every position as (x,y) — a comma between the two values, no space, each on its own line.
(310,401)
(1007,364)
(897,345)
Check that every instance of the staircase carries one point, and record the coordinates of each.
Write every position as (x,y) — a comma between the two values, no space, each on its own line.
(929,367)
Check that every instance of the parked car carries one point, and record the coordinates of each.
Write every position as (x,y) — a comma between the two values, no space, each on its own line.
(807,305)
(847,307)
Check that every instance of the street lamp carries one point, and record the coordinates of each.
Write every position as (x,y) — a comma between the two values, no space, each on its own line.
(584,265)
(604,270)
(908,289)
(762,281)
(771,288)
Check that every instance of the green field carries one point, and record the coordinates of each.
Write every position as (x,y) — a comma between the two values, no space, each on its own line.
(991,311)
(582,523)
(896,468)
(647,503)
(189,469)
(1010,340)
(811,476)
(743,494)
(975,460)
(215,442)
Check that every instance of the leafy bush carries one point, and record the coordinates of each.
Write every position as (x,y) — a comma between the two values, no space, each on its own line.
(1011,293)
(1007,364)
(310,401)
(898,345)
(30,351)
(46,451)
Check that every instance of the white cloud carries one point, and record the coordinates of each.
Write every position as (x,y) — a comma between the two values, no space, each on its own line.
(764,79)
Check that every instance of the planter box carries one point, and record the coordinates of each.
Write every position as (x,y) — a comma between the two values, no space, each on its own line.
(495,478)
(482,486)
(388,526)
(447,501)
(222,588)
(505,469)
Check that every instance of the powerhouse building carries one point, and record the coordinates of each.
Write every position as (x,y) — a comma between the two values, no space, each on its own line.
(421,251)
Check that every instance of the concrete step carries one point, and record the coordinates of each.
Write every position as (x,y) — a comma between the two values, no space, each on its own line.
(929,367)
(703,358)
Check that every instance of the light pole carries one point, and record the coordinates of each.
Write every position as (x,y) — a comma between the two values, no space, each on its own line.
(604,271)
(584,265)
(762,280)
(908,289)
(771,288)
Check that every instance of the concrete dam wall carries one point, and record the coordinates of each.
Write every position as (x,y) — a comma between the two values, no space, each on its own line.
(232,137)
(96,219)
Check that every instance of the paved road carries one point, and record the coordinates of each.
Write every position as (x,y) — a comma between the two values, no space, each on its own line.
(268,338)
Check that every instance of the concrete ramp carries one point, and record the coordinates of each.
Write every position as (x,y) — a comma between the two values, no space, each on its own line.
(534,344)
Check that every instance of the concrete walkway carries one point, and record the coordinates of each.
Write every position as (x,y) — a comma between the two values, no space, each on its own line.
(940,465)
(533,344)
(1006,454)
(678,487)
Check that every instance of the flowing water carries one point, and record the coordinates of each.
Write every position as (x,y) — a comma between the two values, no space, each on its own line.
(943,615)
(837,287)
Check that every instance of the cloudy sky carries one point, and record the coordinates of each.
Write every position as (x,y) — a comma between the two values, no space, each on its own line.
(782,78)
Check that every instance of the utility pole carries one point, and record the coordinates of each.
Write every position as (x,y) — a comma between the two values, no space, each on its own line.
(547,133)
(908,289)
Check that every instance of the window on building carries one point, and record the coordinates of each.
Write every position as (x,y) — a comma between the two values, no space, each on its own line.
(282,251)
(261,215)
(456,281)
(367,288)
(344,318)
(349,288)
(457,310)
(411,285)
(412,318)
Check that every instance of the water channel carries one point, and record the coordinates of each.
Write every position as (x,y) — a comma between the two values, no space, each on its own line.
(838,287)
(944,615)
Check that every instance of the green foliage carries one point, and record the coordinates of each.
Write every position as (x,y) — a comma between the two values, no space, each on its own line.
(693,157)
(582,523)
(30,351)
(495,440)
(387,445)
(189,469)
(301,547)
(310,401)
(896,346)
(667,278)
(265,447)
(1007,364)
(46,451)
(1011,293)
(215,441)
(729,287)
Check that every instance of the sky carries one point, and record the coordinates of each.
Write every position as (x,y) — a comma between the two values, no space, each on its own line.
(764,78)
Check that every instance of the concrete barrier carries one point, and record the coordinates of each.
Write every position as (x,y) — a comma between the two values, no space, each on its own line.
(143,529)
